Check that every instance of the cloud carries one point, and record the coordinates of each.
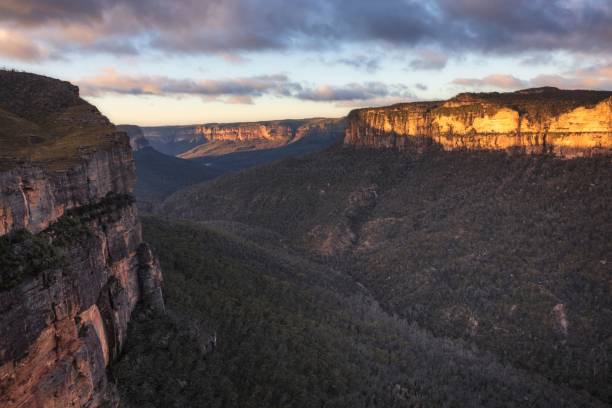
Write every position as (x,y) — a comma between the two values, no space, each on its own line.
(598,77)
(235,26)
(240,100)
(15,45)
(241,90)
(367,63)
(369,91)
(525,25)
(234,90)
(573,82)
(496,81)
(429,60)
(33,12)
(234,59)
(601,71)
(537,59)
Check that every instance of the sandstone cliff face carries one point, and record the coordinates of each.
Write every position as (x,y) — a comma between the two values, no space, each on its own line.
(224,139)
(32,197)
(545,120)
(216,138)
(69,284)
(273,132)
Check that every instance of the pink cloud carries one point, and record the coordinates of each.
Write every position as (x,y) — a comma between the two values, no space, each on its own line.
(495,80)
(17,46)
(239,90)
(594,77)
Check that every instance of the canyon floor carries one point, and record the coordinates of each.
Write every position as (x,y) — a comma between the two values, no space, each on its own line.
(362,278)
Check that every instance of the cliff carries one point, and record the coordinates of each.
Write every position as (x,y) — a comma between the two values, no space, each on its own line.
(138,140)
(223,138)
(229,138)
(541,120)
(72,262)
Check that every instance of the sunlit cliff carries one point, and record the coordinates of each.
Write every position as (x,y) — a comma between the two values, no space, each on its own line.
(542,120)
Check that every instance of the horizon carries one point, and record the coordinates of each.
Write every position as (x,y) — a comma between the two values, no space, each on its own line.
(253,60)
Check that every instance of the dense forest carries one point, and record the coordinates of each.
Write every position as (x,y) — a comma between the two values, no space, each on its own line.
(510,253)
(253,323)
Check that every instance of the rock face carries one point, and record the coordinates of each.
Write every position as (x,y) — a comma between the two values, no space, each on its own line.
(217,138)
(138,140)
(32,197)
(72,262)
(541,121)
(279,131)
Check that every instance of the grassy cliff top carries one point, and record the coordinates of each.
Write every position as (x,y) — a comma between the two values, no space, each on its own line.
(43,120)
(535,103)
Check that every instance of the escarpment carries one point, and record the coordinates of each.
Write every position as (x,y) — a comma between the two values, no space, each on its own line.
(284,131)
(540,121)
(72,262)
(221,138)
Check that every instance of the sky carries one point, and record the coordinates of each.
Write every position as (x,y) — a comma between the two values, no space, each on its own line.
(170,62)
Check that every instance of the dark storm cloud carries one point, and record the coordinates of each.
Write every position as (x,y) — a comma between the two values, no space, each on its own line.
(518,25)
(213,26)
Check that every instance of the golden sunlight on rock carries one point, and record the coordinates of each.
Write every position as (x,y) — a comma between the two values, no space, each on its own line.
(549,121)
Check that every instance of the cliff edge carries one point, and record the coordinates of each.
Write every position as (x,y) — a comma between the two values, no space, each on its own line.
(72,262)
(540,120)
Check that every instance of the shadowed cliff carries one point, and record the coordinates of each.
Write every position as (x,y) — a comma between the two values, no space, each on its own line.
(72,262)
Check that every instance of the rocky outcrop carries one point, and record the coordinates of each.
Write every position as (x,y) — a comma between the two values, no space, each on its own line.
(542,121)
(150,278)
(72,267)
(138,140)
(32,197)
(222,138)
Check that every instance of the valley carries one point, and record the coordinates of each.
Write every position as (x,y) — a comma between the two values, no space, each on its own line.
(173,157)
(503,247)
(425,254)
(292,331)
(306,204)
(481,247)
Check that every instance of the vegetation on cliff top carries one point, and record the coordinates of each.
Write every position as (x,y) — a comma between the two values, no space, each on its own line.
(44,121)
(541,103)
(535,104)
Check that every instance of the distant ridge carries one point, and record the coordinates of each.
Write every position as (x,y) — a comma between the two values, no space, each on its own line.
(543,120)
